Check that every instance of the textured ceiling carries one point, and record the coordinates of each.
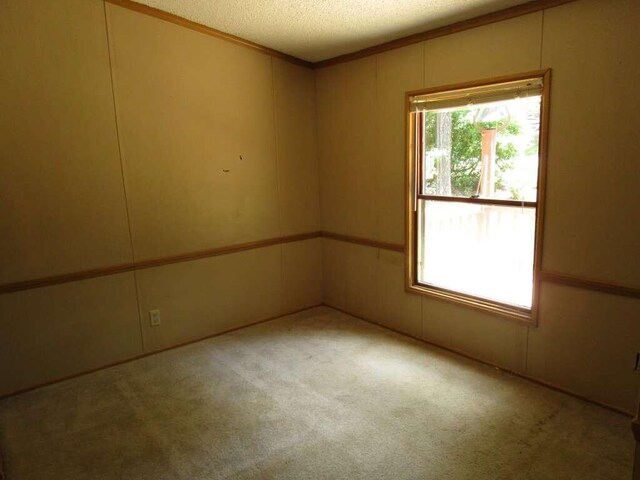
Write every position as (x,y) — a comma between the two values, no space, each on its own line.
(315,30)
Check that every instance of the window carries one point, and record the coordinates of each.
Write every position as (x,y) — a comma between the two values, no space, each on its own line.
(476,157)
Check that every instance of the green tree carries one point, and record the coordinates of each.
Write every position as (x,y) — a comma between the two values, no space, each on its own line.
(466,149)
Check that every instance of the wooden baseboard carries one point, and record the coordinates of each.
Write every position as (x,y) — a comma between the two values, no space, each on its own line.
(484,362)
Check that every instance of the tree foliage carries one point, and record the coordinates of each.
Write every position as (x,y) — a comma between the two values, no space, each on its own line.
(466,150)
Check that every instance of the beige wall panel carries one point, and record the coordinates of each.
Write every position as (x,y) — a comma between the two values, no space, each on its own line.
(53,332)
(493,339)
(208,296)
(61,190)
(398,72)
(333,140)
(587,342)
(397,308)
(189,106)
(503,48)
(335,256)
(346,99)
(592,226)
(299,190)
(301,274)
(362,281)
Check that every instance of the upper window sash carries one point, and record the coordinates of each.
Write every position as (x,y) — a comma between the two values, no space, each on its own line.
(482,201)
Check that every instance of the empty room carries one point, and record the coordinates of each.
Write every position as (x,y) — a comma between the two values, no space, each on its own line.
(350,239)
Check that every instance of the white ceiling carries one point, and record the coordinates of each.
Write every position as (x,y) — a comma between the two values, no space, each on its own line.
(315,30)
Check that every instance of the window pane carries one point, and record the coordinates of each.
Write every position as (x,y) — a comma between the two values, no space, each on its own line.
(488,150)
(481,250)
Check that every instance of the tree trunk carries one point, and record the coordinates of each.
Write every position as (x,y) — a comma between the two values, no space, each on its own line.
(443,144)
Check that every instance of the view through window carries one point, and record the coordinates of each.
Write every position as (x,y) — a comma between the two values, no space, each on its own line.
(476,169)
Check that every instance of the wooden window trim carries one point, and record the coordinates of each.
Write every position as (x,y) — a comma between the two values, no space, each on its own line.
(412,194)
(480,201)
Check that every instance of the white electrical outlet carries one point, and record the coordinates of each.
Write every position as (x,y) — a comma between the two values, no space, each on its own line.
(154,318)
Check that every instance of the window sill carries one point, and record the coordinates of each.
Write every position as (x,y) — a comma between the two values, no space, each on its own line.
(520,315)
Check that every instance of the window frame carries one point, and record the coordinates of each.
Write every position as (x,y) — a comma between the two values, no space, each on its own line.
(413,171)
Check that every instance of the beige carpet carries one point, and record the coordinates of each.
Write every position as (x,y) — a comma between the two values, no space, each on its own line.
(316,395)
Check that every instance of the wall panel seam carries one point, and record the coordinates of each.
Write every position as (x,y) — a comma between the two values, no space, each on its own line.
(274,100)
(122,174)
(541,39)
(276,145)
(117,126)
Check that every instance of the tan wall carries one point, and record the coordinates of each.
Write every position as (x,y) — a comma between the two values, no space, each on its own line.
(586,341)
(98,98)
(63,205)
(116,129)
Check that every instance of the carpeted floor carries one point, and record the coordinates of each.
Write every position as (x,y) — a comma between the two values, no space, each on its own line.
(315,395)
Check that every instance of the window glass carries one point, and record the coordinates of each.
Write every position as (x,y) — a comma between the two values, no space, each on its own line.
(474,202)
(486,151)
(480,250)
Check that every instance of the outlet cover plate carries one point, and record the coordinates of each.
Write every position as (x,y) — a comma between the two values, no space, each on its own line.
(154,318)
